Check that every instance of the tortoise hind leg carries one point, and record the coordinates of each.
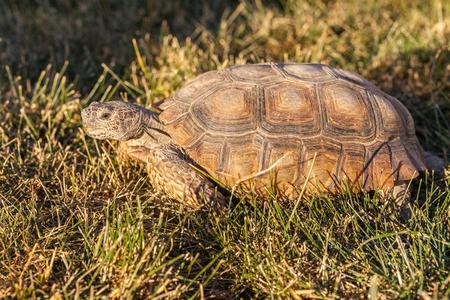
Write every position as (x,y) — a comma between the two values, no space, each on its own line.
(434,163)
(401,195)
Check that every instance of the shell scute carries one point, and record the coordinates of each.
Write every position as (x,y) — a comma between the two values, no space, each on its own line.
(404,114)
(308,72)
(391,121)
(290,108)
(254,73)
(229,109)
(207,152)
(347,112)
(241,157)
(281,159)
(353,77)
(379,167)
(199,85)
(320,163)
(185,131)
(352,171)
(172,111)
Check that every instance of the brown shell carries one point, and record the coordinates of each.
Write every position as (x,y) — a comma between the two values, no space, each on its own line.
(283,123)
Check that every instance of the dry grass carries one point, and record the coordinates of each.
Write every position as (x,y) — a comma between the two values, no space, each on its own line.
(77,223)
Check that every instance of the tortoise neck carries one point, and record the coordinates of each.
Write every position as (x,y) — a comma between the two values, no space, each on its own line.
(153,130)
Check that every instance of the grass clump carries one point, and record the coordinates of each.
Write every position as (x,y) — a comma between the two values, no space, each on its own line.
(76,221)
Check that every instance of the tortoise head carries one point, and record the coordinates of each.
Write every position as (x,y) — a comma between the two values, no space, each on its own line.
(115,120)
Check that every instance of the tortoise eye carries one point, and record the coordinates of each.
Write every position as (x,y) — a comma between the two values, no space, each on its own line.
(105,115)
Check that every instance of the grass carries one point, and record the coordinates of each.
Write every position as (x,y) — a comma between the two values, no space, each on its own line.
(77,222)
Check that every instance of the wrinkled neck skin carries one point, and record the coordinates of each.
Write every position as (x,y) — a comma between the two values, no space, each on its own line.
(154,134)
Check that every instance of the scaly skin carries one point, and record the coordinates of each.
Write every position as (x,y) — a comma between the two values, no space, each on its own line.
(142,137)
(170,171)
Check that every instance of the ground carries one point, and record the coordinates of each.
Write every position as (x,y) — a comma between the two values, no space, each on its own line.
(76,221)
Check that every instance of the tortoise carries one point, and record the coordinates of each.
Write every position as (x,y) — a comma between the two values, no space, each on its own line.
(269,128)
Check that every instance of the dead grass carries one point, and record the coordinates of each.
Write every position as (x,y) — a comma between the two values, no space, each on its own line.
(77,223)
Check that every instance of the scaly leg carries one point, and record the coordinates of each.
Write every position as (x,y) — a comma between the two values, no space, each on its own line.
(434,163)
(401,195)
(171,171)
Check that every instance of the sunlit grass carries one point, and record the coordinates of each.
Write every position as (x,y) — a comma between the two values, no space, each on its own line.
(77,221)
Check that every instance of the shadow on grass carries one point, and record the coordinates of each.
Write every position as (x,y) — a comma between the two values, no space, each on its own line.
(34,34)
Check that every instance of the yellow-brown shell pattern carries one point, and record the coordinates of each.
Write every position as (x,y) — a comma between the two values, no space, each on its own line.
(280,124)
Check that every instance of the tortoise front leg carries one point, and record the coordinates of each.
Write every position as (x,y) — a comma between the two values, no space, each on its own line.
(172,172)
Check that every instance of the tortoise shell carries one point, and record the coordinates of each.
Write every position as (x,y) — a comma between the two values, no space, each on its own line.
(285,123)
